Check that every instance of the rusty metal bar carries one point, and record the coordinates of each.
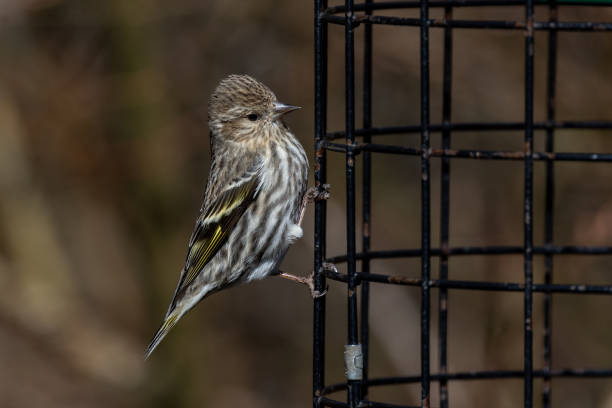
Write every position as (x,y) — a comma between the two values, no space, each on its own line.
(320,176)
(478,126)
(444,206)
(549,204)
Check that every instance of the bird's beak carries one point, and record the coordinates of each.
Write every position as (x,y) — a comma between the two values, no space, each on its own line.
(280,108)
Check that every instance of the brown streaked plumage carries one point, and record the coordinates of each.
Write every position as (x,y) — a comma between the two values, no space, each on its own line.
(253,200)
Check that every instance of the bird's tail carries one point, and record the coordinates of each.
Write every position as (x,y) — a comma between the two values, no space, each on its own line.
(171,319)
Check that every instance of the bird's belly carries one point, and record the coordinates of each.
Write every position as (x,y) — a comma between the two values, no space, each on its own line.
(269,226)
(262,270)
(269,257)
(272,234)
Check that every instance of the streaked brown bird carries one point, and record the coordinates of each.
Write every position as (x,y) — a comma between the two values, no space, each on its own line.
(254,201)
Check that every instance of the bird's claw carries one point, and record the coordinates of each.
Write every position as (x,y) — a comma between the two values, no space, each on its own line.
(316,294)
(313,292)
(323,192)
(328,266)
(308,281)
(325,266)
(318,193)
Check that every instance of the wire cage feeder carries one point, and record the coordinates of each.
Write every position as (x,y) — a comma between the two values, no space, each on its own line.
(436,287)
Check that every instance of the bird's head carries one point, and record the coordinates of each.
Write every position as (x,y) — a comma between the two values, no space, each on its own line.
(242,108)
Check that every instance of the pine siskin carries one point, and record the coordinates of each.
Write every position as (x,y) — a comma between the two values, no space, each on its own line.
(254,200)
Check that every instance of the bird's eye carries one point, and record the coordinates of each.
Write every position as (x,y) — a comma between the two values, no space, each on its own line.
(253,117)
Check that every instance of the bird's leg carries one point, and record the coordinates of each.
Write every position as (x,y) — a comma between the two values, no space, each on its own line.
(309,281)
(313,194)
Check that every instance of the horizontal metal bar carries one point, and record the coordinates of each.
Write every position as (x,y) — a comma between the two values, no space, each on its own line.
(388,5)
(477,375)
(473,285)
(488,250)
(374,404)
(471,24)
(477,126)
(467,154)
(327,402)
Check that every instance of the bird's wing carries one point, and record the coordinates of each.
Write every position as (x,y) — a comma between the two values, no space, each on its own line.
(217,220)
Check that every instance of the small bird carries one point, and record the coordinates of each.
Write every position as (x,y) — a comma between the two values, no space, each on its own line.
(254,201)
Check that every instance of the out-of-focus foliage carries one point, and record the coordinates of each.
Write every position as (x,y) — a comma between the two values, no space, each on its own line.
(103,159)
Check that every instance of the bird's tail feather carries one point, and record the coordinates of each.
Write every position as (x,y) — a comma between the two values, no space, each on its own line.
(171,319)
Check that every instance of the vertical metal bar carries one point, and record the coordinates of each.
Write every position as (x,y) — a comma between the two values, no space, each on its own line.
(353,390)
(425,206)
(550,203)
(367,195)
(320,175)
(445,204)
(528,204)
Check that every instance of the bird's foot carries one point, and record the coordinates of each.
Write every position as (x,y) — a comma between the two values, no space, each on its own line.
(313,194)
(309,281)
(317,193)
(328,266)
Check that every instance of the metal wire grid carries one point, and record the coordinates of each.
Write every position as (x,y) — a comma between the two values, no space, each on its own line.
(357,390)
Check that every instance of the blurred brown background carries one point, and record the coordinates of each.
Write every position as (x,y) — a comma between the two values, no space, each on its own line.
(103,159)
